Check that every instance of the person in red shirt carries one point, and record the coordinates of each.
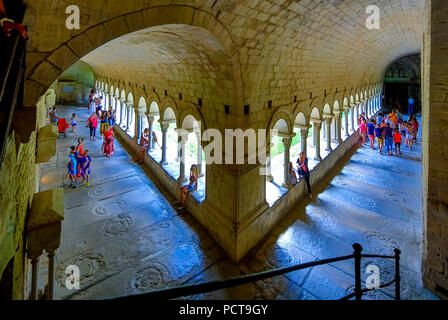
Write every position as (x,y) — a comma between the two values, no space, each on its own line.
(92,124)
(63,126)
(397,141)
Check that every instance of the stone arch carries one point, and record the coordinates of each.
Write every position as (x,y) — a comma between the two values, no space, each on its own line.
(327,110)
(169,115)
(352,100)
(168,102)
(193,112)
(130,99)
(45,72)
(153,97)
(315,114)
(301,119)
(142,107)
(153,108)
(282,113)
(336,106)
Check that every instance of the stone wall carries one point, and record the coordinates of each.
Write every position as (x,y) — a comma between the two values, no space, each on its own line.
(17,185)
(435,148)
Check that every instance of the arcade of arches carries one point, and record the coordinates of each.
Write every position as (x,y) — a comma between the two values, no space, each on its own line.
(307,69)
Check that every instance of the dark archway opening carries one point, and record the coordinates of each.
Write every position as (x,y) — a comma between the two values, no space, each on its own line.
(403,81)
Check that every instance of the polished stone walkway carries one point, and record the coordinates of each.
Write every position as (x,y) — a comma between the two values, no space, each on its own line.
(125,237)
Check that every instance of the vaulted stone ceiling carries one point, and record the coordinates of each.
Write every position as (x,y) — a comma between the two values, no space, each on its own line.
(270,50)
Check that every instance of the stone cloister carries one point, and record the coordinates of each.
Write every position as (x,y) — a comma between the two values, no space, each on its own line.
(305,70)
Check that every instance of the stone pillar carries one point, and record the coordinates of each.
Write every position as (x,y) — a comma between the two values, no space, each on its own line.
(122,111)
(269,176)
(165,127)
(328,122)
(181,142)
(357,116)
(435,148)
(317,124)
(352,118)
(34,277)
(128,115)
(151,128)
(347,134)
(199,152)
(338,127)
(51,254)
(286,159)
(303,139)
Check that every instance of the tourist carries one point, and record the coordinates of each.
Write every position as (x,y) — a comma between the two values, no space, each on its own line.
(379,133)
(397,141)
(53,118)
(388,137)
(379,118)
(154,140)
(415,126)
(292,175)
(92,106)
(80,147)
(104,122)
(84,166)
(303,170)
(74,122)
(98,105)
(371,133)
(108,143)
(363,130)
(189,188)
(72,167)
(62,126)
(411,105)
(92,124)
(143,145)
(410,136)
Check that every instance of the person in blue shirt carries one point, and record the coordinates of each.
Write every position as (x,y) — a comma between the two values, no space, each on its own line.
(388,136)
(411,105)
(72,167)
(379,137)
(371,133)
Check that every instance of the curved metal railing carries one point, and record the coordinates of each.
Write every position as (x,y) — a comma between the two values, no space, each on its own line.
(357,255)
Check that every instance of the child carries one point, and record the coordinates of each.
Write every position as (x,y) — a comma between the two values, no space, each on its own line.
(371,133)
(72,167)
(74,122)
(363,130)
(397,141)
(379,137)
(143,145)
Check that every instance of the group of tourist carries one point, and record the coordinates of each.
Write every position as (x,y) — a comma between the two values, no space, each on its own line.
(389,131)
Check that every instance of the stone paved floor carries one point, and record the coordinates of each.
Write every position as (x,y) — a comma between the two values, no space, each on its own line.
(125,237)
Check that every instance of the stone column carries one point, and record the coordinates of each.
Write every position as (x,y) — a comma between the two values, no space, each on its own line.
(34,277)
(352,118)
(328,122)
(51,254)
(347,134)
(199,152)
(316,137)
(357,116)
(338,127)
(122,110)
(165,127)
(138,127)
(128,116)
(151,128)
(303,139)
(181,142)
(287,145)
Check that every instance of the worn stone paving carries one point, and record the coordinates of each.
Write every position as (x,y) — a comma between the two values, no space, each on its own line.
(126,238)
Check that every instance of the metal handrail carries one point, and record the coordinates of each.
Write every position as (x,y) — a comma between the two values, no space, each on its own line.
(189,290)
(12,82)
